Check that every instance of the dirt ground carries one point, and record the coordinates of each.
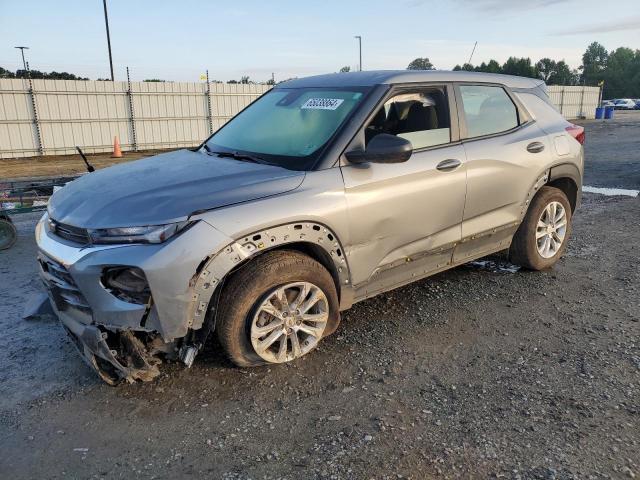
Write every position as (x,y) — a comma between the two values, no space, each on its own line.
(479,372)
(61,165)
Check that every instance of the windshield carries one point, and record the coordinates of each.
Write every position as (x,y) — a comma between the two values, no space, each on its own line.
(288,127)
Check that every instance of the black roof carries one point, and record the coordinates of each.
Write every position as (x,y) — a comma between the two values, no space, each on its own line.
(391,77)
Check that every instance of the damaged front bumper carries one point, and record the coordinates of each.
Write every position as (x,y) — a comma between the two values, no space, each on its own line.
(119,339)
(133,360)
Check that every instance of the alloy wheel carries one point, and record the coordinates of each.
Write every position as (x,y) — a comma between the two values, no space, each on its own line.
(551,229)
(289,322)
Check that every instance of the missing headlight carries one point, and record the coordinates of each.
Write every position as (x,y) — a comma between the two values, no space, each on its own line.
(129,284)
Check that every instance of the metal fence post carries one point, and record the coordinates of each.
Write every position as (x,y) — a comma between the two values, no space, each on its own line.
(581,114)
(600,88)
(562,101)
(209,110)
(36,120)
(134,141)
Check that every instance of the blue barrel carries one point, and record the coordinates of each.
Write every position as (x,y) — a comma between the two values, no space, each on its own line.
(608,113)
(599,113)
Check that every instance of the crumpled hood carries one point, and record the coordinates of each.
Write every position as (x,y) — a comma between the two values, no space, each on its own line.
(165,188)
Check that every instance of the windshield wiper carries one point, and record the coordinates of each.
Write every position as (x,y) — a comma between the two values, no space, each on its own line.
(238,156)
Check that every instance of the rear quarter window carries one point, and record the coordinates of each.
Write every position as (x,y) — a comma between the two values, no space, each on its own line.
(542,110)
(487,110)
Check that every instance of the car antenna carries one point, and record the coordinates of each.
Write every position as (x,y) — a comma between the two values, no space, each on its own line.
(86,162)
(472,52)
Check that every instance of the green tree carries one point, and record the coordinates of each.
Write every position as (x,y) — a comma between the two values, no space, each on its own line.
(622,73)
(345,69)
(594,62)
(153,80)
(546,68)
(6,73)
(421,64)
(520,66)
(37,74)
(562,75)
(493,67)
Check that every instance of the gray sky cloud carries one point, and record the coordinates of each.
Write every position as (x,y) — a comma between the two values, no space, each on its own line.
(159,39)
(632,23)
(498,5)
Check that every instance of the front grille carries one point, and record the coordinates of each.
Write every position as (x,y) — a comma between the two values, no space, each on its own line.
(69,232)
(63,289)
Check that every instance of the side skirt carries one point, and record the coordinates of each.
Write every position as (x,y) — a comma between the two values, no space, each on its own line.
(431,263)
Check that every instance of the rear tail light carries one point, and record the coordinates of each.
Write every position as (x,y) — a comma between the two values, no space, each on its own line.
(577,132)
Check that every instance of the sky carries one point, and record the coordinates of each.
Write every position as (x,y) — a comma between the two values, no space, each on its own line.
(179,40)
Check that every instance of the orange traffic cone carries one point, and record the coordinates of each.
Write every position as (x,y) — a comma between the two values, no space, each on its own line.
(117,153)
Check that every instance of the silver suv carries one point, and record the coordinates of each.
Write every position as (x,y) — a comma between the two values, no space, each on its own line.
(323,192)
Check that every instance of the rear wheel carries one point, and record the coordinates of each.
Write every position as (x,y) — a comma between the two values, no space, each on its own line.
(542,237)
(276,309)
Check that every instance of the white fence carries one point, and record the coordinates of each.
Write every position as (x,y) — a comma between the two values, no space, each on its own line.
(46,117)
(575,102)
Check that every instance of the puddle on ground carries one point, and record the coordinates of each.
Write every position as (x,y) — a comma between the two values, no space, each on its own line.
(495,266)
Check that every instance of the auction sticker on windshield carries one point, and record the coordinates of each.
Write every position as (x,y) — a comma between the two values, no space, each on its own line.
(322,104)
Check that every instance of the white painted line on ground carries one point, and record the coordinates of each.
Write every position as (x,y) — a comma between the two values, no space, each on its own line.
(611,191)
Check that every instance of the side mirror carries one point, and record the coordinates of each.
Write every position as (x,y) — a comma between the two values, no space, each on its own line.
(383,148)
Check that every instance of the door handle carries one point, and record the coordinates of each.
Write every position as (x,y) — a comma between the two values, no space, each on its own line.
(535,147)
(448,165)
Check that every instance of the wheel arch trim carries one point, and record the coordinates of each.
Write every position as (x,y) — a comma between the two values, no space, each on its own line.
(214,269)
(571,172)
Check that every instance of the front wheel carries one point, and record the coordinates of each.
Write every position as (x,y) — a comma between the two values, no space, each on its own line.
(276,308)
(8,233)
(542,237)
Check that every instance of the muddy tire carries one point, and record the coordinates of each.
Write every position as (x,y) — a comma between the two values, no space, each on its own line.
(8,234)
(544,233)
(276,308)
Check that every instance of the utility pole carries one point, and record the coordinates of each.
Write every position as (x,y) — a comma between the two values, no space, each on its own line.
(106,22)
(360,51)
(273,78)
(24,64)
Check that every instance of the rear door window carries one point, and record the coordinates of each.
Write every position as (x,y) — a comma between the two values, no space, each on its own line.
(487,110)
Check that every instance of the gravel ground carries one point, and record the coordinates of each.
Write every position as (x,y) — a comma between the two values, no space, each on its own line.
(613,151)
(478,372)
